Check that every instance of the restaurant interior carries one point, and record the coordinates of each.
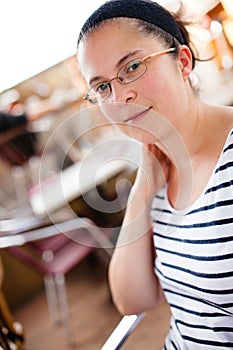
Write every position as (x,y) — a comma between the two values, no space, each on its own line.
(64,182)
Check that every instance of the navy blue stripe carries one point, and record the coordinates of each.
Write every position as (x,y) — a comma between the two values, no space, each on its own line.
(160,197)
(197,257)
(221,307)
(228,148)
(204,208)
(197,241)
(224,167)
(215,329)
(199,274)
(198,225)
(209,342)
(212,206)
(162,210)
(218,187)
(174,345)
(191,286)
(200,314)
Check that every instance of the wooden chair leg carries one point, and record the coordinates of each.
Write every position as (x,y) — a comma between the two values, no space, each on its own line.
(57,304)
(4,344)
(64,309)
(10,336)
(52,298)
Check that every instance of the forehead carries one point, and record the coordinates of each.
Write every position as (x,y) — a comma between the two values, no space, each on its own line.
(105,46)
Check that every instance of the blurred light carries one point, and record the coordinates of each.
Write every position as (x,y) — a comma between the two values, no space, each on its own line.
(9,97)
(196,9)
(199,33)
(216,27)
(171,5)
(227,62)
(228,30)
(228,7)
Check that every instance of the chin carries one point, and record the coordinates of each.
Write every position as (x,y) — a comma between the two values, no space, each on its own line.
(137,133)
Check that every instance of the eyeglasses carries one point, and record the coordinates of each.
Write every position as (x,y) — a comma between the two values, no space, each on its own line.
(128,73)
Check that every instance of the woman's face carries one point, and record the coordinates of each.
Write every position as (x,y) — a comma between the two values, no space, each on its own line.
(162,88)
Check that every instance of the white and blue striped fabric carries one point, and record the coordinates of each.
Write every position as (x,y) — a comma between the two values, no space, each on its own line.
(194,262)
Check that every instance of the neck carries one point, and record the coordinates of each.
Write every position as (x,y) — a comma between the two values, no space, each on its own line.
(181,170)
(194,149)
(183,143)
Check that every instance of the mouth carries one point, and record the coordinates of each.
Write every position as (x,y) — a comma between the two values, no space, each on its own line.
(137,115)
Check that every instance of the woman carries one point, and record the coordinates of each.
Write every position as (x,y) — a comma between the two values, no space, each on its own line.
(137,61)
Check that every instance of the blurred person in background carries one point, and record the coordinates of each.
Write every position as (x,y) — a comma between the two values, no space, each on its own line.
(16,115)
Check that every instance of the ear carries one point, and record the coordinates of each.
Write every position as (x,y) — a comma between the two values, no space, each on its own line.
(185,60)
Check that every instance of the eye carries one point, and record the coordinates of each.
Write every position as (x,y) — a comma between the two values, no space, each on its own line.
(99,89)
(132,66)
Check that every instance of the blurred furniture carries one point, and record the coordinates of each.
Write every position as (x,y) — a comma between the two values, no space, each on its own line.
(122,331)
(74,182)
(11,333)
(53,250)
(17,145)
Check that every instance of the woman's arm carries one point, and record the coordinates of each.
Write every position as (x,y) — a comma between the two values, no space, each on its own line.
(134,285)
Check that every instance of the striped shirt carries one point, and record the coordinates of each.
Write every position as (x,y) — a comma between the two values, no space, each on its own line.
(194,262)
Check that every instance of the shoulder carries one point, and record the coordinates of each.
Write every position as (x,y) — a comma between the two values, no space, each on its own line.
(225,164)
(228,147)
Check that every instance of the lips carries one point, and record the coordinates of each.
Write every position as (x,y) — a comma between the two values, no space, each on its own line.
(137,116)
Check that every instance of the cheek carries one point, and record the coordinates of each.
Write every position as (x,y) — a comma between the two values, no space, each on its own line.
(153,87)
(164,94)
(161,80)
(111,112)
(137,132)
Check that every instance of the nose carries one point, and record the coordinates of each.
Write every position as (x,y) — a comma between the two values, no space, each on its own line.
(123,93)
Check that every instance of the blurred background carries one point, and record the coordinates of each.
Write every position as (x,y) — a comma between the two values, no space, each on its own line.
(39,71)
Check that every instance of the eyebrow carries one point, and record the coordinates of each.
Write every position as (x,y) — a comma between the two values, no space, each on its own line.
(118,65)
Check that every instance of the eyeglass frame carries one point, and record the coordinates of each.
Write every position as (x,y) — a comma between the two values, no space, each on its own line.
(108,82)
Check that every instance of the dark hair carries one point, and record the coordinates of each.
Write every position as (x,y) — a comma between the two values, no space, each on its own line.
(166,38)
(149,16)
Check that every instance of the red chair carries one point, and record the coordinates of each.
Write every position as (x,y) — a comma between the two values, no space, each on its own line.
(53,257)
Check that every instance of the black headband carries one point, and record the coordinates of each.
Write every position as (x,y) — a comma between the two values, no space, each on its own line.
(147,11)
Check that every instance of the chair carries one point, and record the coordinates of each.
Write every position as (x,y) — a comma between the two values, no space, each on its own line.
(17,145)
(53,257)
(11,332)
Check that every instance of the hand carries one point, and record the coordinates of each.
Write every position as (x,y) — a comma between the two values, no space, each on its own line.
(154,170)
